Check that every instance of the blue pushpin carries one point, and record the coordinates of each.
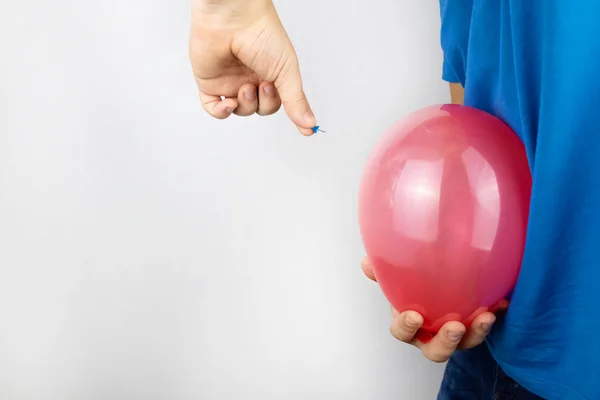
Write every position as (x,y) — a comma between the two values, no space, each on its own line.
(317,129)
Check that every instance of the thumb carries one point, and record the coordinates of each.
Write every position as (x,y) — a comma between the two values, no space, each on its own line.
(368,269)
(293,98)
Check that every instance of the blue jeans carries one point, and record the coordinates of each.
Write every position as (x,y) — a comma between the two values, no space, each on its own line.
(474,375)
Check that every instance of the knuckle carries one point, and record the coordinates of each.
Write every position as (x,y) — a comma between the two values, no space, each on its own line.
(438,356)
(400,334)
(264,113)
(270,109)
(288,63)
(439,359)
(219,115)
(244,111)
(300,97)
(447,347)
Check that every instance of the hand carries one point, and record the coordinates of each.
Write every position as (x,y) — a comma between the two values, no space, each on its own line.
(244,62)
(451,337)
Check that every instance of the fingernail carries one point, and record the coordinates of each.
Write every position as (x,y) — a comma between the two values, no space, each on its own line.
(229,110)
(486,326)
(270,90)
(455,336)
(310,118)
(250,95)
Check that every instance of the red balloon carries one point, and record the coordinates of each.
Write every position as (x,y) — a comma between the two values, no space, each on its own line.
(443,210)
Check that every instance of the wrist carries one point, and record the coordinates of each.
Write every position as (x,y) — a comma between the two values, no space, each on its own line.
(229,12)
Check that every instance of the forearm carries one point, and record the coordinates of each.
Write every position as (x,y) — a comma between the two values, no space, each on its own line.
(457,93)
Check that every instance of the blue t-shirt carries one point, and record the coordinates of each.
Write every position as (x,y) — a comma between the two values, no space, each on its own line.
(536,65)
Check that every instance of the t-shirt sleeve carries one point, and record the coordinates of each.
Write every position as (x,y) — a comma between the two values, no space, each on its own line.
(454,38)
(448,73)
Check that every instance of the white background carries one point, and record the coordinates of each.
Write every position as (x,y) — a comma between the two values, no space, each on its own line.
(149,252)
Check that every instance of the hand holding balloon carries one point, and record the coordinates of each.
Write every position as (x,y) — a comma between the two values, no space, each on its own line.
(443,210)
(451,337)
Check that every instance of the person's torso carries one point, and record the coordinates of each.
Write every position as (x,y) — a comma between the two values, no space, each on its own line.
(536,65)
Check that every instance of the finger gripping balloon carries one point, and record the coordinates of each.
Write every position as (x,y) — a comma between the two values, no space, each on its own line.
(443,210)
